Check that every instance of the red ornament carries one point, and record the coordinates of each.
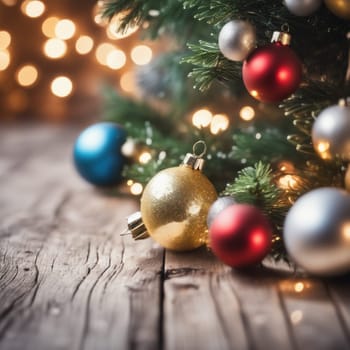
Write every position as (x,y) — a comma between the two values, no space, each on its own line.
(273,72)
(240,235)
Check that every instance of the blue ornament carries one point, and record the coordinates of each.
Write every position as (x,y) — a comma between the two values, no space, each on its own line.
(97,154)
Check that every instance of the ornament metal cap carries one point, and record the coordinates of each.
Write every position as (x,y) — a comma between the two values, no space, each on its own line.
(282,37)
(136,227)
(193,160)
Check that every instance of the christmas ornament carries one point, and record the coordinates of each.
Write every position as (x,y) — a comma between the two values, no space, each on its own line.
(237,39)
(218,206)
(303,7)
(240,235)
(175,205)
(341,8)
(97,154)
(317,231)
(273,72)
(331,132)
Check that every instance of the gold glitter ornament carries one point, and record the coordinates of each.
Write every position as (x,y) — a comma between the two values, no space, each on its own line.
(175,205)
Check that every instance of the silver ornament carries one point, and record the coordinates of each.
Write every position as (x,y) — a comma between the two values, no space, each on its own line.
(217,207)
(317,231)
(302,7)
(236,39)
(331,132)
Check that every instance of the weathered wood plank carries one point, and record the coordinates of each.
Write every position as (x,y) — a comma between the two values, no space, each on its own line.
(67,279)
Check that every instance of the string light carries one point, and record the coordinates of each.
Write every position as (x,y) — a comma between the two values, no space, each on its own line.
(4,59)
(48,26)
(299,287)
(202,118)
(219,123)
(65,29)
(136,189)
(127,82)
(27,75)
(55,48)
(116,59)
(141,55)
(247,113)
(288,182)
(145,157)
(61,86)
(84,44)
(5,39)
(33,8)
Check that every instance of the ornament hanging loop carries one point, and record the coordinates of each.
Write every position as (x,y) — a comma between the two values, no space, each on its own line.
(193,160)
(285,27)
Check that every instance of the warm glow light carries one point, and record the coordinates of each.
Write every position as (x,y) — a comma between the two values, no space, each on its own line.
(9,2)
(116,59)
(127,82)
(61,86)
(141,55)
(286,166)
(323,149)
(84,44)
(129,182)
(97,15)
(299,287)
(65,29)
(296,316)
(145,157)
(136,189)
(55,48)
(102,52)
(113,26)
(254,93)
(288,182)
(219,123)
(33,8)
(27,75)
(48,27)
(202,118)
(4,59)
(247,113)
(5,39)
(345,229)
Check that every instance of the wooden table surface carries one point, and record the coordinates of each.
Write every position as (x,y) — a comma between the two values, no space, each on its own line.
(69,281)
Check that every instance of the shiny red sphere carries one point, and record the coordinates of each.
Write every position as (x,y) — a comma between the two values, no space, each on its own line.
(272,73)
(240,235)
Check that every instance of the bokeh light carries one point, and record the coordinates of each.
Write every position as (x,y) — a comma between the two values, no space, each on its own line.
(84,44)
(4,59)
(61,86)
(5,39)
(116,59)
(127,82)
(9,2)
(33,8)
(114,24)
(48,26)
(65,29)
(202,118)
(219,123)
(136,189)
(141,55)
(247,113)
(55,48)
(27,75)
(145,157)
(102,52)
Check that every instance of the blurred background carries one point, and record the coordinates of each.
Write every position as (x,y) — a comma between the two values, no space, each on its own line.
(56,56)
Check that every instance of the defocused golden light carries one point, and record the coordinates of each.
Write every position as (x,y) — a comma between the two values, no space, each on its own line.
(220,122)
(4,59)
(61,86)
(114,24)
(55,48)
(84,44)
(286,166)
(116,59)
(247,113)
(145,157)
(288,182)
(102,52)
(27,75)
(97,15)
(65,29)
(202,118)
(129,182)
(48,26)
(5,39)
(323,149)
(9,2)
(254,93)
(299,287)
(33,8)
(296,316)
(127,82)
(141,55)
(345,230)
(136,189)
